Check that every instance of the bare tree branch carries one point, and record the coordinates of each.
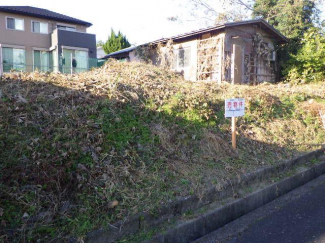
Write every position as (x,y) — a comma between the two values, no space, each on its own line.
(240,2)
(205,5)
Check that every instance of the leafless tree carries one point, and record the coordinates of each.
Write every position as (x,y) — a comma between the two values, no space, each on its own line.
(204,10)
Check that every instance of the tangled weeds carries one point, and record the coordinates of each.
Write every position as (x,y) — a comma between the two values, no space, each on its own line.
(80,151)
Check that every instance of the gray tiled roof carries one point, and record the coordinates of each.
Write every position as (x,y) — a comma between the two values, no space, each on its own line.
(42,13)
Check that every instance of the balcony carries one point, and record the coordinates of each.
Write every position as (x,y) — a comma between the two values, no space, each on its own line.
(61,38)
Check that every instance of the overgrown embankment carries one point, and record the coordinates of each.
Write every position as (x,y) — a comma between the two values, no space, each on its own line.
(80,151)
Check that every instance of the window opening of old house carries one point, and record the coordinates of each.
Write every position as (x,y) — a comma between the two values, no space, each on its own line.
(184,55)
(182,58)
(40,27)
(15,24)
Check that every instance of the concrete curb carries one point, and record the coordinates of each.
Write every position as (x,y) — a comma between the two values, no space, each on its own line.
(215,219)
(147,220)
(238,227)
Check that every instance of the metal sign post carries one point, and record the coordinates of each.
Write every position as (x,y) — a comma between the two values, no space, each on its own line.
(234,108)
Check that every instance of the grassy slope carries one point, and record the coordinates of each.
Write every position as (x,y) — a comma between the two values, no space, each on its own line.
(78,151)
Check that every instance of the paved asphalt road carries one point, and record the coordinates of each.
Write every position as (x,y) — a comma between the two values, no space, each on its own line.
(297,217)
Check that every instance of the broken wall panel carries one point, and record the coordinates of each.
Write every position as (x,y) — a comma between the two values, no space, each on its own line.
(209,59)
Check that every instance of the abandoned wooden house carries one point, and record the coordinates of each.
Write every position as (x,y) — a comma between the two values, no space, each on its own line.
(237,52)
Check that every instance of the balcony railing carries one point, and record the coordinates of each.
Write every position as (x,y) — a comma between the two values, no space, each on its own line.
(65,65)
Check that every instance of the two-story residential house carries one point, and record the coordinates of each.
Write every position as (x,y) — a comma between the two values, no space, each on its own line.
(34,38)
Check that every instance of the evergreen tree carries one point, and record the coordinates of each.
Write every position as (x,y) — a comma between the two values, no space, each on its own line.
(116,42)
(309,63)
(99,43)
(292,18)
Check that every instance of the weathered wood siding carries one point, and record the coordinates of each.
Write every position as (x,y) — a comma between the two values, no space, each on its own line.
(252,69)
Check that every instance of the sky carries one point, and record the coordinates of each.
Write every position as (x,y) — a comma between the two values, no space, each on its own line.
(140,20)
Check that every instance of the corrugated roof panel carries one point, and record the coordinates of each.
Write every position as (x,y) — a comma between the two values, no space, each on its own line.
(129,49)
(202,31)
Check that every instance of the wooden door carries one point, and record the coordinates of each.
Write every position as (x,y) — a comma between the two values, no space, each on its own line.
(237,64)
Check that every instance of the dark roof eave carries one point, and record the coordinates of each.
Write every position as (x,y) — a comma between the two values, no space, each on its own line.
(46,17)
(120,52)
(185,35)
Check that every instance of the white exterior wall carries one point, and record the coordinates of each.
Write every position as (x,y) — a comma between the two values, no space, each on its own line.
(100,52)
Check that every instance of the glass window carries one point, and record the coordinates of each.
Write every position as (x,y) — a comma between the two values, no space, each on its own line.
(45,61)
(19,24)
(44,28)
(66,60)
(7,56)
(36,27)
(69,28)
(37,60)
(39,27)
(74,61)
(42,61)
(13,59)
(10,23)
(15,24)
(81,58)
(19,59)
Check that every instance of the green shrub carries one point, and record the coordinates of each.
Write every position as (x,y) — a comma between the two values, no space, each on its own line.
(309,63)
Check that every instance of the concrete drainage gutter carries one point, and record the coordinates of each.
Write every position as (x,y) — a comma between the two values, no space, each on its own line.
(217,218)
(208,222)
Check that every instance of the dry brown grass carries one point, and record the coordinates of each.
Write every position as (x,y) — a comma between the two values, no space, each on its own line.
(83,150)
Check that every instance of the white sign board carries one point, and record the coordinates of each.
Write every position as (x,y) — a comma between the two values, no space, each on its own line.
(235,107)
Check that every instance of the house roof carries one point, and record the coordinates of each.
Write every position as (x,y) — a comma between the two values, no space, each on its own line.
(42,13)
(261,22)
(129,49)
